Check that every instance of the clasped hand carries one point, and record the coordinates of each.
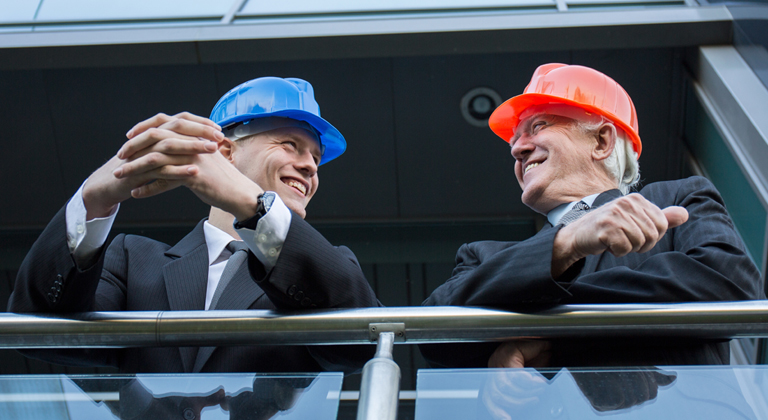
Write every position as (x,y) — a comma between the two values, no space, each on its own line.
(163,153)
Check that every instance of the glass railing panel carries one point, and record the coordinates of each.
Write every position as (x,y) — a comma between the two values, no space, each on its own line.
(182,396)
(721,392)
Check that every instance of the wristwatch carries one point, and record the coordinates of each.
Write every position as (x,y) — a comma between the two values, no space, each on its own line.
(265,201)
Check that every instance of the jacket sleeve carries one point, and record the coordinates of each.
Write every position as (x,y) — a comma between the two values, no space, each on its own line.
(702,260)
(49,281)
(312,273)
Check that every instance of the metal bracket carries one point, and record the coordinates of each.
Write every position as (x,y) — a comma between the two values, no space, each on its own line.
(398,328)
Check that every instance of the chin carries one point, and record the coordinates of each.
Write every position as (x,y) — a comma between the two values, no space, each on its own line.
(299,210)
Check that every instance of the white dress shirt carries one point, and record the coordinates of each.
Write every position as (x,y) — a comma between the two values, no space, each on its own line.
(85,238)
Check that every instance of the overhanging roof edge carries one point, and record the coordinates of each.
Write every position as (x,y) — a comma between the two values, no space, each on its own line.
(331,27)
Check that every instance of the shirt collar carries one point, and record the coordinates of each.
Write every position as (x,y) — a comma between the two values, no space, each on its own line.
(216,240)
(558,212)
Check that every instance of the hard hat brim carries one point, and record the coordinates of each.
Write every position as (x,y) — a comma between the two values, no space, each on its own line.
(505,119)
(330,137)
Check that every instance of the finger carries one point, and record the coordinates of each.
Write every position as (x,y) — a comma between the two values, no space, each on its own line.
(176,146)
(159,186)
(619,240)
(675,215)
(146,140)
(161,118)
(644,223)
(507,355)
(153,136)
(153,122)
(150,162)
(533,349)
(194,129)
(653,226)
(198,119)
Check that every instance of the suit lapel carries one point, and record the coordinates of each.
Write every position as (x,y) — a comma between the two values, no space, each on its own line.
(241,293)
(186,280)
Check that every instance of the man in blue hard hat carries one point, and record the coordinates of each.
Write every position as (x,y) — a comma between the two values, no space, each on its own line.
(255,162)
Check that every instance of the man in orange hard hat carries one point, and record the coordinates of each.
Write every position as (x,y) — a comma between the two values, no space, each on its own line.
(574,136)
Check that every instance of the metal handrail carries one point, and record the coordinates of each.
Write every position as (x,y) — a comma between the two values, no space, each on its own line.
(412,325)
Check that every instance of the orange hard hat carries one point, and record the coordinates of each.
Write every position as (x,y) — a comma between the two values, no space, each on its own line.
(577,86)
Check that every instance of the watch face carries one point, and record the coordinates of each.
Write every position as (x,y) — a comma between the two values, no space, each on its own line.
(267,199)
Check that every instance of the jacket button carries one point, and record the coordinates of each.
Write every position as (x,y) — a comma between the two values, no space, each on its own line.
(292,290)
(189,414)
(306,301)
(299,295)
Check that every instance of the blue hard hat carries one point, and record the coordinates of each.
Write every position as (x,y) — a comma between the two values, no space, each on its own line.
(276,97)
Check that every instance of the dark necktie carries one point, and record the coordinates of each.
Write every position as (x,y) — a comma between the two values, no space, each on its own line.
(239,254)
(580,209)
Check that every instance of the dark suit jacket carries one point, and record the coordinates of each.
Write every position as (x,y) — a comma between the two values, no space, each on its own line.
(135,273)
(702,260)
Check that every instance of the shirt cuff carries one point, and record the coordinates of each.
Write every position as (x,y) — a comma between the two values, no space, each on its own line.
(267,240)
(85,238)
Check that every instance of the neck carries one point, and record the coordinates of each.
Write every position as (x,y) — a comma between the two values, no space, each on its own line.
(222,220)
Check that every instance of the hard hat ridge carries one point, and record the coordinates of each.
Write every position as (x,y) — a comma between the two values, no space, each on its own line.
(572,85)
(277,97)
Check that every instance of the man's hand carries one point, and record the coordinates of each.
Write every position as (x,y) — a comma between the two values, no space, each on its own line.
(179,160)
(520,354)
(160,148)
(516,394)
(627,224)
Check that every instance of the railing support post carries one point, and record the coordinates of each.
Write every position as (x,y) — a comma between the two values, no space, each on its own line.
(380,386)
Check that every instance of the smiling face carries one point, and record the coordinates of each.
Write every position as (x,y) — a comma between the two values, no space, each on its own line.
(283,160)
(555,162)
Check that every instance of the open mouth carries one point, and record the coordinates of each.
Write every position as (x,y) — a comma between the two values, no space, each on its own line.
(531,166)
(295,184)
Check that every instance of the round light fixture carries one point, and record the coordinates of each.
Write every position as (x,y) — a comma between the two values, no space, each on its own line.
(478,104)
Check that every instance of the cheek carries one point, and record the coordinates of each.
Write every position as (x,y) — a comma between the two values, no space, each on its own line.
(519,172)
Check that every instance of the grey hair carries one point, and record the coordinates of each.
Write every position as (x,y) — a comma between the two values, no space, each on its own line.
(622,164)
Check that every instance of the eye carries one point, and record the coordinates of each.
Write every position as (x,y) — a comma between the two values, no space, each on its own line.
(538,125)
(290,143)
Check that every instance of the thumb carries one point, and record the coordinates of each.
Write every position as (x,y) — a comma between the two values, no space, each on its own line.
(675,215)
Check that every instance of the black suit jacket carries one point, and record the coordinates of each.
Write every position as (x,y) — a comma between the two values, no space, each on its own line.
(135,273)
(702,260)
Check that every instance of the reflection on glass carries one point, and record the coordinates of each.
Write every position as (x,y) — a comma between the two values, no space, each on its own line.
(187,397)
(630,393)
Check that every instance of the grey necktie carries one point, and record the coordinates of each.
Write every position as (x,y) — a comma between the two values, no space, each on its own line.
(580,209)
(239,254)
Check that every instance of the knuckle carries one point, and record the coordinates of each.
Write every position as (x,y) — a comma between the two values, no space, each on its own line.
(153,158)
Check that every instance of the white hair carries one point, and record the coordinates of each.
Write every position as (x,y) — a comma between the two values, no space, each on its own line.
(622,164)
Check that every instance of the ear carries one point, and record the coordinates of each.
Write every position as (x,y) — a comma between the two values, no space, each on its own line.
(605,142)
(227,148)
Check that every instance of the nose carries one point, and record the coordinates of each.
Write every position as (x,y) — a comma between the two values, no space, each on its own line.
(521,147)
(306,163)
